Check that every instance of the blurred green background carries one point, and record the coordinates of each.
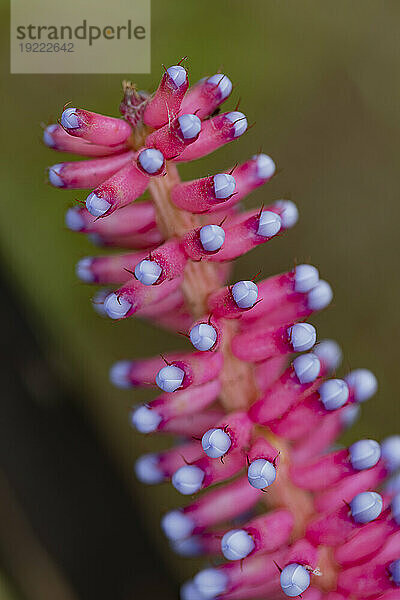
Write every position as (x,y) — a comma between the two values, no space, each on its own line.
(320,78)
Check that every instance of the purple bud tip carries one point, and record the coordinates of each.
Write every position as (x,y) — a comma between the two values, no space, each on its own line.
(320,296)
(330,353)
(288,213)
(119,374)
(216,443)
(188,479)
(261,473)
(176,525)
(307,367)
(98,301)
(177,74)
(188,548)
(223,83)
(212,237)
(69,119)
(97,206)
(239,122)
(395,507)
(170,378)
(148,272)
(144,419)
(302,336)
(47,135)
(364,454)
(203,336)
(73,219)
(189,591)
(83,270)
(366,507)
(333,393)
(190,126)
(245,293)
(391,452)
(211,583)
(350,415)
(363,383)
(269,224)
(116,307)
(151,161)
(305,278)
(265,166)
(54,175)
(237,544)
(147,469)
(394,569)
(224,186)
(295,579)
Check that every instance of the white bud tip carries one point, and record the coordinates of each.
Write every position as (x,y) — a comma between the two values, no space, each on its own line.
(203,336)
(269,224)
(239,122)
(302,336)
(189,591)
(212,237)
(245,294)
(188,479)
(394,569)
(224,185)
(188,547)
(119,374)
(148,272)
(176,525)
(54,175)
(145,420)
(265,166)
(305,278)
(288,213)
(98,301)
(170,378)
(47,135)
(307,367)
(364,454)
(147,469)
(295,579)
(237,544)
(73,219)
(96,239)
(115,307)
(177,74)
(391,452)
(333,393)
(190,126)
(97,206)
(329,353)
(69,120)
(366,507)
(211,583)
(216,443)
(261,473)
(223,83)
(350,415)
(363,383)
(395,507)
(83,270)
(393,485)
(151,161)
(320,296)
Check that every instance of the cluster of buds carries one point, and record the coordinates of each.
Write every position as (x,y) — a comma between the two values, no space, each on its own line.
(256,407)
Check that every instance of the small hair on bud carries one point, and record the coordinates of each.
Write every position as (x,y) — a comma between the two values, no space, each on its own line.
(203,336)
(239,122)
(333,393)
(148,272)
(116,307)
(224,185)
(212,237)
(147,469)
(307,367)
(223,83)
(144,419)
(211,583)
(391,452)
(151,160)
(245,293)
(364,454)
(366,507)
(188,479)
(216,443)
(265,166)
(305,278)
(170,378)
(261,473)
(302,336)
(269,224)
(237,544)
(177,74)
(364,384)
(295,579)
(190,126)
(176,525)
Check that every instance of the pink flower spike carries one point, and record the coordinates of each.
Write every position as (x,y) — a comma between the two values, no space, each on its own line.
(173,138)
(95,128)
(266,343)
(232,433)
(215,132)
(137,218)
(201,195)
(56,138)
(167,99)
(81,175)
(122,188)
(206,95)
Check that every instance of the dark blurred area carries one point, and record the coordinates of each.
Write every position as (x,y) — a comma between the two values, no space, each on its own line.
(321,82)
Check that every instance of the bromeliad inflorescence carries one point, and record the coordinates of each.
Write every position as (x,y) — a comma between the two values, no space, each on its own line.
(292,515)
